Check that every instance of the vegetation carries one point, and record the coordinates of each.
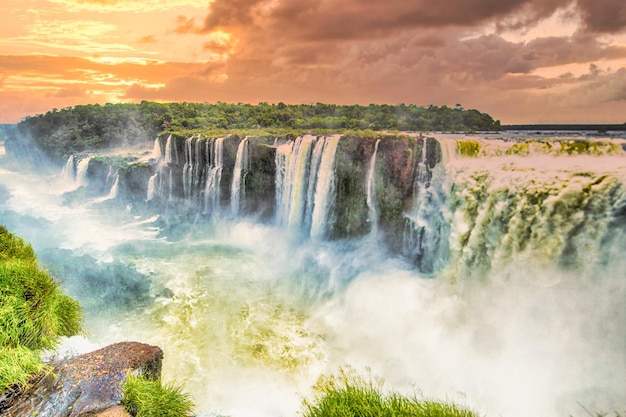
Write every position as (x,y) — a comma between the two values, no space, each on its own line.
(75,129)
(146,398)
(469,148)
(34,313)
(351,395)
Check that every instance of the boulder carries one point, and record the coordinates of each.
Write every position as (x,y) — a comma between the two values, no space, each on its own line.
(89,384)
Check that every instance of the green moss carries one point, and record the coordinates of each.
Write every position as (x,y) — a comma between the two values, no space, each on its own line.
(520,148)
(146,398)
(350,395)
(586,147)
(468,148)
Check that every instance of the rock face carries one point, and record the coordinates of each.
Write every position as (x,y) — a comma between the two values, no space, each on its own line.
(89,384)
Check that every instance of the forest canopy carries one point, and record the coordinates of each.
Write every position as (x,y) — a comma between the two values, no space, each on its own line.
(75,129)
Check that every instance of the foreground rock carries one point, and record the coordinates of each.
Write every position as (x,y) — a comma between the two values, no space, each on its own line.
(89,384)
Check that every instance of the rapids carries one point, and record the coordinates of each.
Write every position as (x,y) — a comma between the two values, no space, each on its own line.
(518,311)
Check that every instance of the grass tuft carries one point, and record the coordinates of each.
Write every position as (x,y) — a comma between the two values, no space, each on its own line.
(12,246)
(351,395)
(17,366)
(34,312)
(146,398)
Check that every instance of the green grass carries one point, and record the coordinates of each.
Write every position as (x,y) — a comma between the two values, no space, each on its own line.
(146,398)
(351,395)
(12,246)
(34,312)
(17,366)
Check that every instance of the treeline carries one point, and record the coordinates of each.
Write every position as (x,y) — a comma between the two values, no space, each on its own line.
(74,129)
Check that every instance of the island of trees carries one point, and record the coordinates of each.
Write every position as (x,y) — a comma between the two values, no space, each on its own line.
(75,129)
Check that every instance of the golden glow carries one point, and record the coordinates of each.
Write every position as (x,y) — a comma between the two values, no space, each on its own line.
(128,5)
(58,53)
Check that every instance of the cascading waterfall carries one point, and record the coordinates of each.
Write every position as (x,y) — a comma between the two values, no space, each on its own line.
(81,171)
(425,234)
(215,165)
(516,211)
(69,170)
(171,153)
(188,168)
(156,150)
(371,191)
(237,190)
(292,183)
(324,187)
(152,187)
(115,188)
(304,183)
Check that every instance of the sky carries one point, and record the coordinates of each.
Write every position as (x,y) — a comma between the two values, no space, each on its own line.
(522,61)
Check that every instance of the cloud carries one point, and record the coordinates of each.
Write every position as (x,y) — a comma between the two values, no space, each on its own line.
(358,19)
(604,16)
(147,40)
(71,92)
(186,25)
(601,86)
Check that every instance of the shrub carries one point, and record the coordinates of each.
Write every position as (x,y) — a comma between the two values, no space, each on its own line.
(146,398)
(350,395)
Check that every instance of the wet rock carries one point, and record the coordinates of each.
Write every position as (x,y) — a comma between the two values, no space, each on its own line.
(89,384)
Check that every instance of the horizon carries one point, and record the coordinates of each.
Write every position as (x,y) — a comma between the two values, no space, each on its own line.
(521,61)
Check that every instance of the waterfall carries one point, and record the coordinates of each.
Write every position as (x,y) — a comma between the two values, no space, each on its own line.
(237,190)
(293,181)
(325,188)
(215,165)
(371,192)
(81,171)
(152,187)
(304,183)
(113,192)
(316,159)
(170,185)
(171,154)
(156,150)
(188,168)
(424,240)
(69,170)
(197,170)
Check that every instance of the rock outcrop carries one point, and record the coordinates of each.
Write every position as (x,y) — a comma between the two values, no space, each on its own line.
(89,384)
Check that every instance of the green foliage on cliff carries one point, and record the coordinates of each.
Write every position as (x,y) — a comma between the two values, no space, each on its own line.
(351,395)
(74,129)
(34,312)
(146,398)
(469,148)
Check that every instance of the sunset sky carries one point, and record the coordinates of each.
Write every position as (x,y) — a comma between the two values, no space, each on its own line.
(519,60)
